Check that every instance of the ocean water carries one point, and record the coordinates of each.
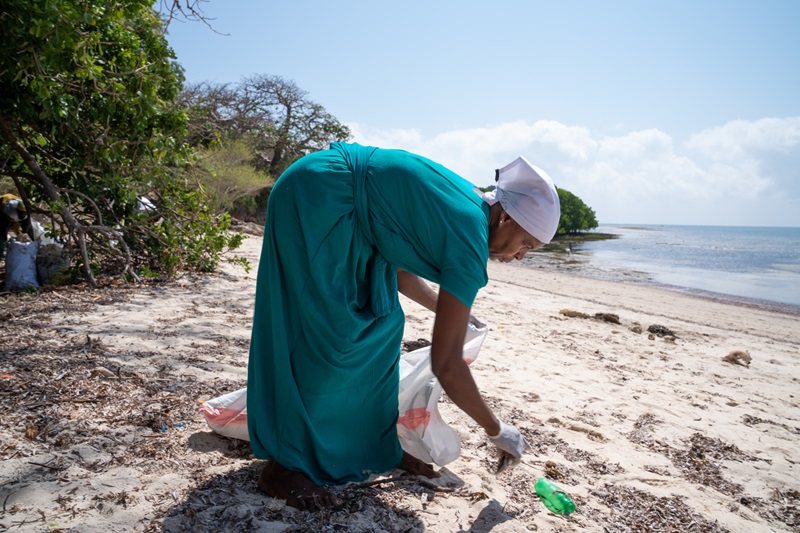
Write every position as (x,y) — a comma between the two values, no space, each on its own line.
(751,264)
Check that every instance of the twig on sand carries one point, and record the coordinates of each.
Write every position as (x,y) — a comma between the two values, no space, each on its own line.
(56,468)
(426,484)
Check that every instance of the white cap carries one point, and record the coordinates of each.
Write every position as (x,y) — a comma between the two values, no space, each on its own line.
(11,208)
(528,195)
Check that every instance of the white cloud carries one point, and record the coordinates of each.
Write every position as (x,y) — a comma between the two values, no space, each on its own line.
(753,157)
(740,137)
(639,176)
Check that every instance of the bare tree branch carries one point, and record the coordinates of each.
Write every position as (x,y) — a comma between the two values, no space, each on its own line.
(188,10)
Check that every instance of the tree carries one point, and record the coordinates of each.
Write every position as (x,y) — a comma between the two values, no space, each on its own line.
(266,118)
(283,123)
(211,110)
(87,116)
(575,215)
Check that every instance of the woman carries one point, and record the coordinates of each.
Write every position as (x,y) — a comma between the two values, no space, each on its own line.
(346,229)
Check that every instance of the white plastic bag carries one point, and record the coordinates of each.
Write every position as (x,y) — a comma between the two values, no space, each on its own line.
(21,265)
(420,428)
(227,415)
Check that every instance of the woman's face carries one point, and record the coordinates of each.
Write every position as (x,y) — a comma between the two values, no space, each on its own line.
(508,241)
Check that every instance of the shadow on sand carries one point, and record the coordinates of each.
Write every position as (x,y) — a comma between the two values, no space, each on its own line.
(231,501)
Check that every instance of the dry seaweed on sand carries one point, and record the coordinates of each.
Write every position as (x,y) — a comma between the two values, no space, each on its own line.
(607,317)
(750,420)
(364,508)
(700,460)
(661,331)
(573,314)
(633,510)
(783,506)
(78,412)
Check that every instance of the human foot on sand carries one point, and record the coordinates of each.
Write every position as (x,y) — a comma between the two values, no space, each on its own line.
(294,487)
(414,466)
(300,492)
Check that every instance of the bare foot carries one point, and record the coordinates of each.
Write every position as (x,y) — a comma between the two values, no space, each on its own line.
(414,466)
(295,488)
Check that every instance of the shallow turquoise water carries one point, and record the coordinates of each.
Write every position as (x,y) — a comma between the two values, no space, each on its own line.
(753,263)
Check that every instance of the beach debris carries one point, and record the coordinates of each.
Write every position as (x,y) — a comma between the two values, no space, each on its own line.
(636,510)
(406,478)
(555,499)
(750,420)
(642,432)
(101,372)
(700,461)
(607,317)
(660,331)
(782,505)
(531,397)
(636,327)
(592,434)
(477,496)
(505,460)
(552,471)
(410,346)
(738,357)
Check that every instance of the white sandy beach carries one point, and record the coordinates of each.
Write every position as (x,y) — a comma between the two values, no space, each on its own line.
(100,429)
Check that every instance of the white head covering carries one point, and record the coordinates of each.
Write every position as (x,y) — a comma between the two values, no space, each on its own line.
(528,195)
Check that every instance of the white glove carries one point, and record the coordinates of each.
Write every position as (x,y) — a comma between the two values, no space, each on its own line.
(510,440)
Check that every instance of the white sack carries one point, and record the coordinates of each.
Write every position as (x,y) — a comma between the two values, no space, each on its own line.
(420,428)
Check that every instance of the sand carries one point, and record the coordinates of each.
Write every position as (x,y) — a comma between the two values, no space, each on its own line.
(100,428)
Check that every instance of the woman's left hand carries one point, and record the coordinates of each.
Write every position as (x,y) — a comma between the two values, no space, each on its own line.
(475,321)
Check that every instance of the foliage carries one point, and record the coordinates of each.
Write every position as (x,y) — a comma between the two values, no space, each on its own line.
(226,172)
(272,115)
(247,134)
(86,113)
(575,215)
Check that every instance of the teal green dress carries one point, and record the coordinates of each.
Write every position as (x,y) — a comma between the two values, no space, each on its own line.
(323,373)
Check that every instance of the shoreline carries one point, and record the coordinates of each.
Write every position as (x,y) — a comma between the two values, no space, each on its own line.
(579,265)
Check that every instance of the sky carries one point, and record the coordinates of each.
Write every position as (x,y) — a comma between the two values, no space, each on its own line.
(652,112)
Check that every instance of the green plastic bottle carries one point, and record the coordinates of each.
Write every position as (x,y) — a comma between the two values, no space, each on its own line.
(555,499)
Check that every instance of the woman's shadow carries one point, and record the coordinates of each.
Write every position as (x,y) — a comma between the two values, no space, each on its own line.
(231,501)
